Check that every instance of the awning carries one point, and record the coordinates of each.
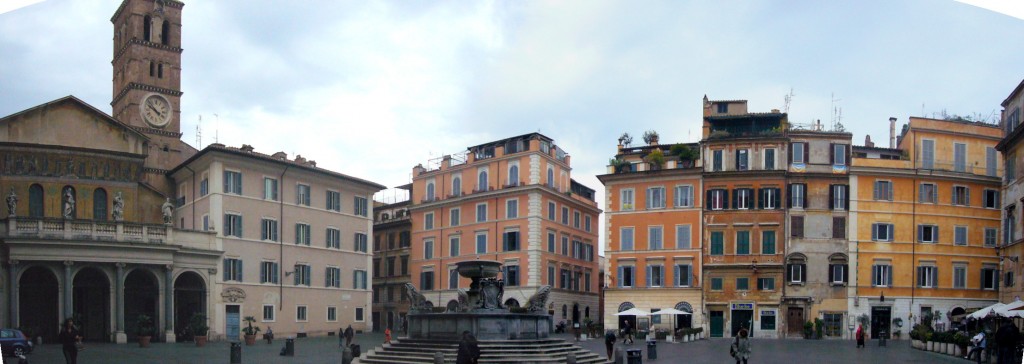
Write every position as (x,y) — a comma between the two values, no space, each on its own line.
(633,312)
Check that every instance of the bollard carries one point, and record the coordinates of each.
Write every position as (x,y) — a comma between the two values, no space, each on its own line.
(570,358)
(236,353)
(438,358)
(346,355)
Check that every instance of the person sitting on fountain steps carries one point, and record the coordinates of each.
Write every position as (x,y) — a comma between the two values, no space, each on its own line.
(469,351)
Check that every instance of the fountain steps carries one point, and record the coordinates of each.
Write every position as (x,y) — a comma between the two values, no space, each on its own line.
(492,352)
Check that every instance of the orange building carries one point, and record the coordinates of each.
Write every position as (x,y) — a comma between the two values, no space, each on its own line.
(744,159)
(926,218)
(512,201)
(653,213)
(1013,196)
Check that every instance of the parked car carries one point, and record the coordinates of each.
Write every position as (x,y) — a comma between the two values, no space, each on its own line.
(14,342)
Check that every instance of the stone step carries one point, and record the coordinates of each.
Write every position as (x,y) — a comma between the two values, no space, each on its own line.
(492,352)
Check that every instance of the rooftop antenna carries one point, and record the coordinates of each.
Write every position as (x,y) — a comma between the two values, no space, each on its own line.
(835,111)
(789,99)
(216,129)
(199,133)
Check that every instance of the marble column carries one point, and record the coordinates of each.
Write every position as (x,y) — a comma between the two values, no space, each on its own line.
(68,285)
(120,336)
(169,303)
(12,294)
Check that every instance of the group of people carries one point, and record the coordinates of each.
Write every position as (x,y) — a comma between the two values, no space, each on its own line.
(739,349)
(1007,340)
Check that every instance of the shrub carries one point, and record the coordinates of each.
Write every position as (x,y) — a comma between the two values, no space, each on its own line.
(656,158)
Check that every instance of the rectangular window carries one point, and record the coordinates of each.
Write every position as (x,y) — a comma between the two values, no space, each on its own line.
(565,215)
(510,241)
(269,272)
(233,225)
(333,238)
(626,278)
(334,201)
(768,242)
(766,284)
(683,275)
(989,280)
(268,230)
(960,157)
(990,236)
(455,218)
(928,154)
(684,196)
(428,249)
(626,238)
(360,314)
(511,275)
(359,243)
(269,189)
(744,198)
(303,275)
(837,273)
(769,159)
(839,154)
(232,269)
(797,272)
(654,238)
(927,233)
(927,194)
(302,195)
(716,160)
(1010,169)
(359,279)
(268,313)
(405,264)
(798,152)
(798,195)
(656,197)
(206,222)
(300,313)
(883,190)
(960,235)
(655,276)
(768,320)
(626,200)
(576,219)
(881,275)
(428,221)
(742,243)
(991,199)
(204,186)
(233,182)
(565,245)
(551,276)
(551,242)
(481,212)
(426,281)
(961,196)
(332,277)
(839,197)
(742,159)
(453,278)
(838,227)
(551,211)
(481,243)
(718,198)
(359,206)
(717,243)
(302,234)
(990,161)
(453,246)
(881,232)
(743,284)
(796,226)
(683,236)
(716,284)
(927,277)
(960,277)
(586,223)
(511,209)
(769,199)
(332,314)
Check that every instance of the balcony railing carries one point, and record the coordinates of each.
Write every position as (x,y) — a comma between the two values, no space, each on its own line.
(88,230)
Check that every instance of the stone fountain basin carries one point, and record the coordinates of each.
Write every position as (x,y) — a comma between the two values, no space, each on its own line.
(478,268)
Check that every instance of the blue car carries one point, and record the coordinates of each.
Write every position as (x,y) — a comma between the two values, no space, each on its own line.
(14,343)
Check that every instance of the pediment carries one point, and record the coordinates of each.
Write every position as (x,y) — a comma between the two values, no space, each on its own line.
(71,122)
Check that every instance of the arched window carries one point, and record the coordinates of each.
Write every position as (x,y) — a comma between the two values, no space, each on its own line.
(99,204)
(35,201)
(551,177)
(457,187)
(147,23)
(160,74)
(565,311)
(152,69)
(430,191)
(586,312)
(513,175)
(69,202)
(165,33)
(481,181)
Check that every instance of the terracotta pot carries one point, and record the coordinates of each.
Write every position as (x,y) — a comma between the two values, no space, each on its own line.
(144,341)
(250,340)
(201,341)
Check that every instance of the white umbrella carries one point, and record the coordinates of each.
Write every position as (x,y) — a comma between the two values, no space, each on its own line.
(673,312)
(1010,309)
(633,312)
(985,312)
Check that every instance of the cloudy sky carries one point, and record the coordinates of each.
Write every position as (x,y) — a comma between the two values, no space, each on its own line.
(373,88)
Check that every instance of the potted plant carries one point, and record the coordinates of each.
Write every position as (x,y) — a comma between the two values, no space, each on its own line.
(962,341)
(685,153)
(819,326)
(651,137)
(250,331)
(808,329)
(144,329)
(656,158)
(199,328)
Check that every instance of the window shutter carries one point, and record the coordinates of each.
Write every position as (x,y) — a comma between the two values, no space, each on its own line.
(831,197)
(789,273)
(967,197)
(649,276)
(238,271)
(889,282)
(806,154)
(803,272)
(831,273)
(227,273)
(760,198)
(935,234)
(935,277)
(676,275)
(889,195)
(846,197)
(647,198)
(737,160)
(832,158)
(874,232)
(227,183)
(274,273)
(778,197)
(619,278)
(874,274)
(504,241)
(750,198)
(707,200)
(920,276)
(789,196)
(689,276)
(846,273)
(263,274)
(295,275)
(889,228)
(791,153)
(227,224)
(875,195)
(725,198)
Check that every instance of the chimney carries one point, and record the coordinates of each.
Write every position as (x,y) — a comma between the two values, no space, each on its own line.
(867,142)
(246,148)
(280,155)
(892,133)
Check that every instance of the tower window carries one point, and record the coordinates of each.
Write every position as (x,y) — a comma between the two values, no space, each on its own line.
(147,23)
(152,69)
(165,33)
(160,70)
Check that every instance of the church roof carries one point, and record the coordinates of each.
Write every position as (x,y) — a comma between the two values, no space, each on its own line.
(82,105)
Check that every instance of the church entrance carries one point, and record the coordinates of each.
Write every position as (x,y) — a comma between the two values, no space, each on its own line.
(38,304)
(189,300)
(140,298)
(92,304)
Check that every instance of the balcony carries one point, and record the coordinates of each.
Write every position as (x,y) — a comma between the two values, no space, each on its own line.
(511,184)
(88,230)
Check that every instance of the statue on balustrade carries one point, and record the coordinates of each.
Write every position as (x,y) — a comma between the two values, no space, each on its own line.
(69,203)
(118,207)
(168,210)
(12,203)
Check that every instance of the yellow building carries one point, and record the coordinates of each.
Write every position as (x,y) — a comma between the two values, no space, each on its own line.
(925,224)
(1013,191)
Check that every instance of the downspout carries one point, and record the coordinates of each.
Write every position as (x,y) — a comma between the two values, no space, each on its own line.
(280,239)
(913,219)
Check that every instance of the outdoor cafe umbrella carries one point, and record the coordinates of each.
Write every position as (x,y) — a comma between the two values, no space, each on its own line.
(673,312)
(1013,309)
(633,312)
(985,312)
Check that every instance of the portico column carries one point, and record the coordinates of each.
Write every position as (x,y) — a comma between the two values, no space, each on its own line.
(67,290)
(119,337)
(12,279)
(169,303)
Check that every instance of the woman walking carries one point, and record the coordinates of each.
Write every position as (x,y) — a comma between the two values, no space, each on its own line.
(860,336)
(741,347)
(69,338)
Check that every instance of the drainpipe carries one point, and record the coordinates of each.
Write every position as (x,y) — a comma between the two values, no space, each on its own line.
(280,239)
(913,219)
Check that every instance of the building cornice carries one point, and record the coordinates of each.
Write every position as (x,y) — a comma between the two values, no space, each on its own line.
(124,49)
(144,87)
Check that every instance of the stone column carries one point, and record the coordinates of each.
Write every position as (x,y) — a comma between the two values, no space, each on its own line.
(68,284)
(169,304)
(12,284)
(119,337)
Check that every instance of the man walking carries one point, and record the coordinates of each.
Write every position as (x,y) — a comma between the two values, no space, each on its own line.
(349,334)
(609,342)
(627,333)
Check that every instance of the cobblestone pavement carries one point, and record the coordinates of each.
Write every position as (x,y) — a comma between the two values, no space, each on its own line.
(325,350)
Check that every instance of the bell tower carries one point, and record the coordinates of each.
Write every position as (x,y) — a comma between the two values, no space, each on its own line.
(147,79)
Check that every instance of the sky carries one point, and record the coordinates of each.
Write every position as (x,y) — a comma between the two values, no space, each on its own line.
(373,88)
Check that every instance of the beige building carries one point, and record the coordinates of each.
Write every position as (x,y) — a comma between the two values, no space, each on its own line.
(1012,204)
(392,241)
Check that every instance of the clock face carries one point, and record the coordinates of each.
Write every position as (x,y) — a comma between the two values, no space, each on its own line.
(156,110)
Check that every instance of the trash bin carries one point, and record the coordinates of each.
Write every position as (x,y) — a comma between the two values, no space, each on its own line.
(881,337)
(236,353)
(634,356)
(289,346)
(652,349)
(356,350)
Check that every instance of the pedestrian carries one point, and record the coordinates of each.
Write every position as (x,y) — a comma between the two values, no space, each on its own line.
(627,333)
(469,351)
(349,334)
(979,341)
(860,336)
(1007,338)
(269,335)
(609,342)
(387,335)
(69,338)
(740,348)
